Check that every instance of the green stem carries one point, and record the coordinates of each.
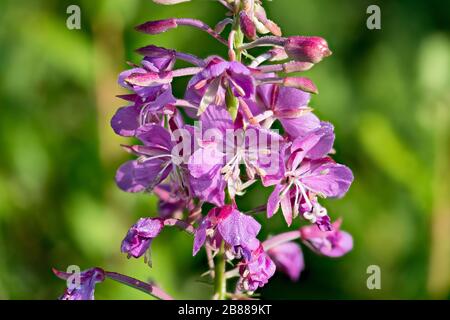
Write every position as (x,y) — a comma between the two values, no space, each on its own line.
(238,39)
(220,280)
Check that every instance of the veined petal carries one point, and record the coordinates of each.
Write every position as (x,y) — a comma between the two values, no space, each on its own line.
(156,136)
(326,177)
(238,229)
(133,176)
(126,120)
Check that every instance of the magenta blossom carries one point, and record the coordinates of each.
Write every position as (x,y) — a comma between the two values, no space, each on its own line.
(156,160)
(84,290)
(334,243)
(309,173)
(229,225)
(140,236)
(209,87)
(289,106)
(256,270)
(288,258)
(147,101)
(219,159)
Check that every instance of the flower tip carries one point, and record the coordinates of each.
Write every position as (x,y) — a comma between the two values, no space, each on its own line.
(307,49)
(301,83)
(157,26)
(58,273)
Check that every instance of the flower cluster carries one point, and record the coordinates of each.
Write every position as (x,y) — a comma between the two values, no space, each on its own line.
(211,144)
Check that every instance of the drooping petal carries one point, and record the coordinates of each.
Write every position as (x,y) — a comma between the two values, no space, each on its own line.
(126,120)
(334,243)
(133,176)
(140,235)
(238,229)
(288,258)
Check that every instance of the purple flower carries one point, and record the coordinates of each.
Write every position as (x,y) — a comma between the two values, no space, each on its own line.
(155,160)
(148,99)
(224,147)
(256,270)
(140,236)
(227,224)
(310,173)
(334,243)
(209,86)
(289,106)
(288,258)
(84,290)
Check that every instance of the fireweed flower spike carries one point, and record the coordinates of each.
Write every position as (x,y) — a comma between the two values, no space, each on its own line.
(208,146)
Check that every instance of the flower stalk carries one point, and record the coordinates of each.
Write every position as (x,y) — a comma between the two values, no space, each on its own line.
(139,285)
(220,280)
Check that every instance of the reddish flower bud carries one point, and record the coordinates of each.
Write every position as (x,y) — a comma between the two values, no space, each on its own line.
(247,26)
(157,26)
(149,79)
(307,49)
(301,83)
(297,66)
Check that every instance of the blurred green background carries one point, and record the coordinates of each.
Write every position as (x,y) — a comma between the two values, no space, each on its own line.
(386,91)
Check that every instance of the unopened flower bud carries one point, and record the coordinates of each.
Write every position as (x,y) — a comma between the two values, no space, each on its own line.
(307,49)
(277,54)
(297,66)
(157,26)
(247,26)
(149,79)
(301,83)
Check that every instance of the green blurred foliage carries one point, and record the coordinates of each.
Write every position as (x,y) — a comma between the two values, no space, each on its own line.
(386,91)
